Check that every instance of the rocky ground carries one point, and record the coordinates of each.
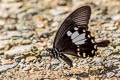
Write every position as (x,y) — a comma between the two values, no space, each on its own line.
(28,27)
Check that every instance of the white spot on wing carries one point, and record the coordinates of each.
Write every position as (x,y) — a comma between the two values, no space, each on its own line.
(92,51)
(95,46)
(75,34)
(92,41)
(78,49)
(88,36)
(78,53)
(76,28)
(83,30)
(80,37)
(69,33)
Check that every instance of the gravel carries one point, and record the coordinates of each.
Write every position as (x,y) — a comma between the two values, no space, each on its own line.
(27,28)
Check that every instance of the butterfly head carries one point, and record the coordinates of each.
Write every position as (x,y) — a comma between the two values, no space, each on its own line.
(56,54)
(52,52)
(49,50)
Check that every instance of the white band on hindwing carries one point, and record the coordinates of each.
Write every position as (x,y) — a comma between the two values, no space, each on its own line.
(80,39)
(77,39)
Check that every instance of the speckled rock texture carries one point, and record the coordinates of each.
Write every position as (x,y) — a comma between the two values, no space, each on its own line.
(28,27)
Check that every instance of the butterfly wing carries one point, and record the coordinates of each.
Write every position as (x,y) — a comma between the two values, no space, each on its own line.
(79,18)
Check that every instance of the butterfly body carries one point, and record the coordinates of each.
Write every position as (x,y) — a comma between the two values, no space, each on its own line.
(56,54)
(73,37)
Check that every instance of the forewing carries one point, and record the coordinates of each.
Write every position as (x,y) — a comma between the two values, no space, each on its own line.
(79,18)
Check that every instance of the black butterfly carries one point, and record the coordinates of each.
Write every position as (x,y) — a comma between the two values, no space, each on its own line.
(74,38)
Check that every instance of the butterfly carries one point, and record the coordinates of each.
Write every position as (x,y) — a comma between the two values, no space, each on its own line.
(73,37)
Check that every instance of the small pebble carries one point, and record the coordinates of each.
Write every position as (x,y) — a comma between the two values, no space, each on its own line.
(110,74)
(98,60)
(30,59)
(18,50)
(48,66)
(73,79)
(57,12)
